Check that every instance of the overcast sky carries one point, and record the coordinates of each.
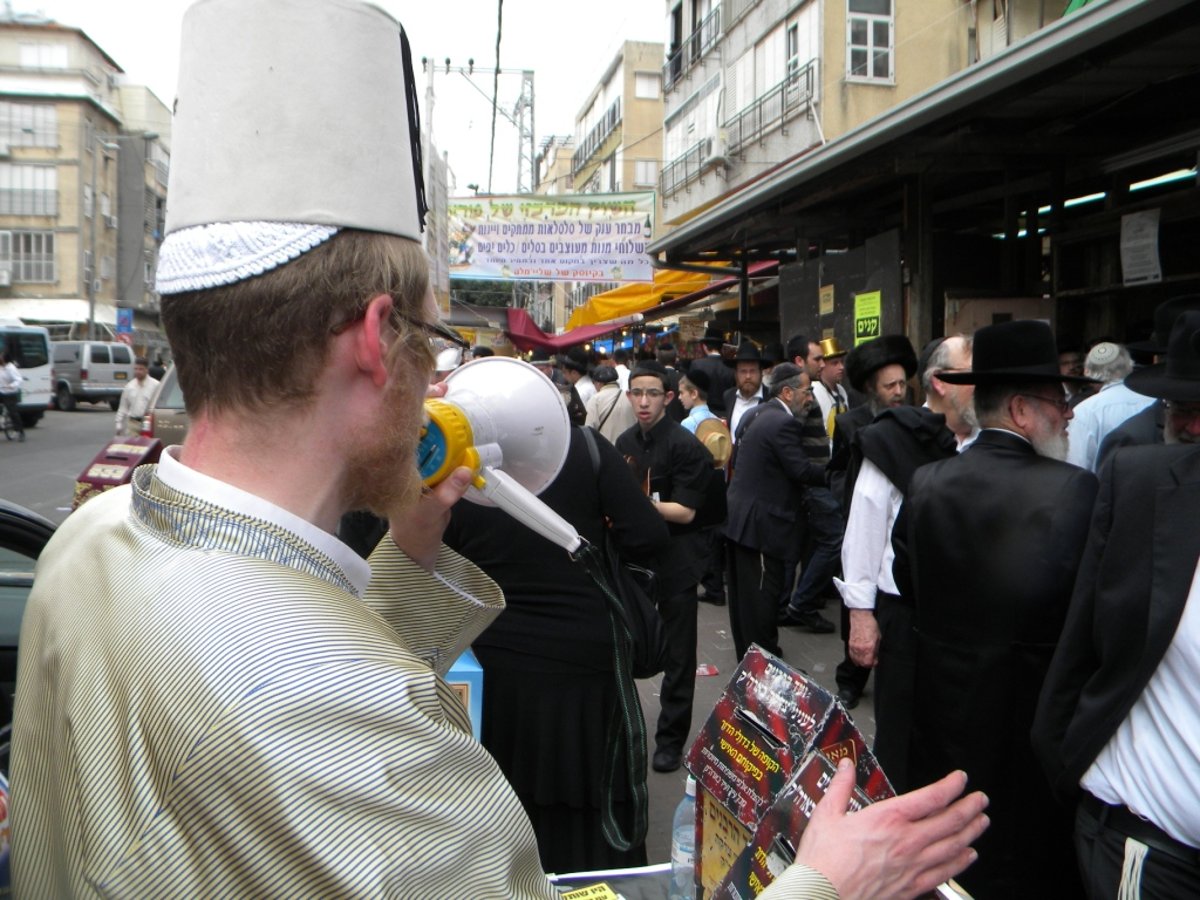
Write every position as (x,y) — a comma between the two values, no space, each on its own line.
(568,46)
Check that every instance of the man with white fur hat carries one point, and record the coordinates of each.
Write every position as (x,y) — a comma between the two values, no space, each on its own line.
(231,702)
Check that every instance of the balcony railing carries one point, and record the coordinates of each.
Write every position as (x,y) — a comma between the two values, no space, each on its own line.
(680,172)
(596,137)
(698,43)
(773,108)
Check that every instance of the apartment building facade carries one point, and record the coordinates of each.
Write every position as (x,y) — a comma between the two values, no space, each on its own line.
(83,183)
(751,84)
(1003,180)
(616,148)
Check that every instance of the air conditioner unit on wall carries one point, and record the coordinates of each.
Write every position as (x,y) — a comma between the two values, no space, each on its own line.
(718,153)
(5,278)
(110,221)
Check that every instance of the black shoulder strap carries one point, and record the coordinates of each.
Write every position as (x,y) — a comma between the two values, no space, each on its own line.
(589,437)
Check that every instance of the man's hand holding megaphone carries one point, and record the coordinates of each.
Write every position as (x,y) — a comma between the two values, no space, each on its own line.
(418,532)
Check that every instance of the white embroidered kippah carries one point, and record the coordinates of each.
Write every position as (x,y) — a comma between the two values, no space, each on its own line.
(207,256)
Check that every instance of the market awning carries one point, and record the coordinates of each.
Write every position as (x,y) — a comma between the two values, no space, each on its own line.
(525,335)
(636,298)
(757,270)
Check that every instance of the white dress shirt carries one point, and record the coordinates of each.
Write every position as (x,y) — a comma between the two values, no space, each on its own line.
(740,406)
(135,400)
(1152,762)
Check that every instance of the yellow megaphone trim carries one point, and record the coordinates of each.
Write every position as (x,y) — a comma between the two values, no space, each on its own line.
(455,427)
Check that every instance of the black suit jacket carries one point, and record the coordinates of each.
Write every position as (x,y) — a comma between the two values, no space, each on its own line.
(1145,427)
(765,497)
(1133,585)
(845,426)
(720,377)
(987,546)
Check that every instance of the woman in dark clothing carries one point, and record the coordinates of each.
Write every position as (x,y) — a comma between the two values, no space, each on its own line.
(549,689)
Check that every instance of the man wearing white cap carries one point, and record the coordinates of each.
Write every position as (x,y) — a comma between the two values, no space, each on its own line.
(231,702)
(1099,414)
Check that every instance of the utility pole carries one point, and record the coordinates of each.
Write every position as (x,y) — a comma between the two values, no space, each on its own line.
(520,118)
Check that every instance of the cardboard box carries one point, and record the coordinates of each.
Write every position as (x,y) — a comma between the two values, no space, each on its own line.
(766,724)
(466,677)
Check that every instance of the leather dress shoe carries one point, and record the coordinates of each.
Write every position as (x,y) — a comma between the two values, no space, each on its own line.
(666,759)
(810,621)
(849,697)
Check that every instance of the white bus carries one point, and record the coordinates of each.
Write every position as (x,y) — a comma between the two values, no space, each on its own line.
(29,347)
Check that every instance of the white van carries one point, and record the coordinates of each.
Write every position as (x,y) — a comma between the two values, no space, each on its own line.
(90,371)
(29,347)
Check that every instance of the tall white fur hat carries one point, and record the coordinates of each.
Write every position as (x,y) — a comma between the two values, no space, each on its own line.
(293,118)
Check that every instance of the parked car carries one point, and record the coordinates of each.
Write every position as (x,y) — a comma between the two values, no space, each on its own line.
(28,346)
(23,534)
(166,419)
(90,371)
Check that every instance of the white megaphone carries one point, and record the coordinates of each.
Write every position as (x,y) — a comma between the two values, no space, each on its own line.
(506,422)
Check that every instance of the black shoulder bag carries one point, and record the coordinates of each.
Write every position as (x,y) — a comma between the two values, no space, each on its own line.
(638,652)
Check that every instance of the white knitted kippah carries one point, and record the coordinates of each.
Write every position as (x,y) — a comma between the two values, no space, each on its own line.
(207,256)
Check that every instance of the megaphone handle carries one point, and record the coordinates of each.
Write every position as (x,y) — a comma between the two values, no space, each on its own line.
(508,494)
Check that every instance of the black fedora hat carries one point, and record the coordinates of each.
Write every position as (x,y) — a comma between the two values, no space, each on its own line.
(1165,316)
(713,336)
(1023,350)
(747,352)
(889,350)
(1179,377)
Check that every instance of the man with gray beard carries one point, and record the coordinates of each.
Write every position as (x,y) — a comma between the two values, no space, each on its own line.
(987,545)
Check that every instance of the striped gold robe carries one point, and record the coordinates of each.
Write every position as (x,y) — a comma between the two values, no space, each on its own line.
(207,709)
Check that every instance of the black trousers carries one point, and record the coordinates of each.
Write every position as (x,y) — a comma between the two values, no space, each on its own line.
(895,673)
(678,612)
(1168,870)
(755,583)
(12,401)
(713,579)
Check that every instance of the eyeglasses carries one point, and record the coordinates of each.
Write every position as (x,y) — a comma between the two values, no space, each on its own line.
(1061,403)
(652,393)
(434,331)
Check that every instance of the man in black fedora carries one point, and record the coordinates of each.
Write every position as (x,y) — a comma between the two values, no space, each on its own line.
(748,390)
(1146,427)
(1117,723)
(720,375)
(987,544)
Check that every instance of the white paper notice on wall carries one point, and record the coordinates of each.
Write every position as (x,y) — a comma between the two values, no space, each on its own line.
(1139,248)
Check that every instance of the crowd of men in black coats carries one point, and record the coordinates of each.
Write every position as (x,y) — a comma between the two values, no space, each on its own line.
(1027,620)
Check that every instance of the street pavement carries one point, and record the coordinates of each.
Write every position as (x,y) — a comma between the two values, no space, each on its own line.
(816,654)
(40,473)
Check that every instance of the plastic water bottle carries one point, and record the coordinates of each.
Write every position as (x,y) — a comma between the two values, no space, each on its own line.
(683,846)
